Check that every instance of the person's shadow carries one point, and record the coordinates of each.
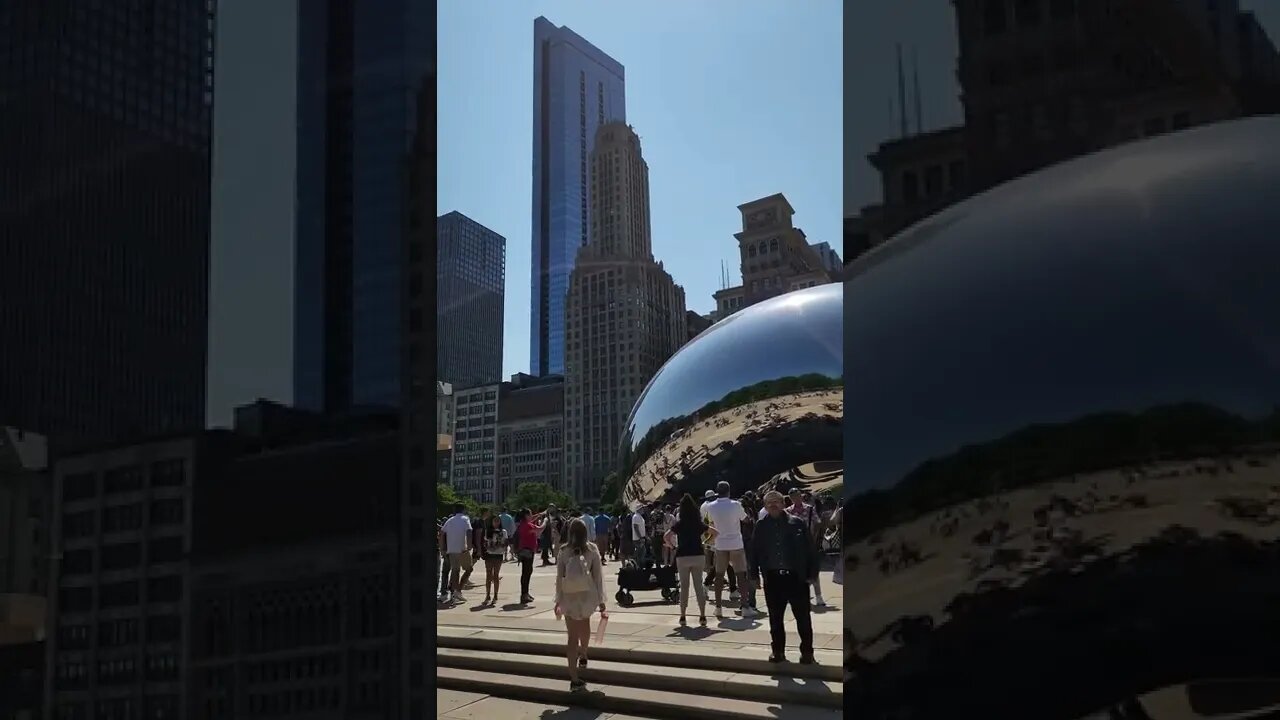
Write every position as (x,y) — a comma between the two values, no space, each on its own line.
(693,632)
(575,713)
(814,685)
(738,624)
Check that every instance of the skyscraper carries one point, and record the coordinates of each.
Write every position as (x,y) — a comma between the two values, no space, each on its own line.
(104,216)
(470,277)
(329,92)
(625,316)
(576,89)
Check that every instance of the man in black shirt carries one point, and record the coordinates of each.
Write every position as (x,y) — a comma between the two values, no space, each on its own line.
(788,561)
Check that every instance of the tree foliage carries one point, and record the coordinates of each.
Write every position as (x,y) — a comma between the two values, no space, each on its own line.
(447,497)
(610,492)
(537,496)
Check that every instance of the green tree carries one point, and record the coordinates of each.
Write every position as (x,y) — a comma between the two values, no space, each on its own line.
(609,490)
(537,496)
(447,497)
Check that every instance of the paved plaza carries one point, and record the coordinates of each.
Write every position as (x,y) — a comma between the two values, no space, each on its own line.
(649,617)
(698,660)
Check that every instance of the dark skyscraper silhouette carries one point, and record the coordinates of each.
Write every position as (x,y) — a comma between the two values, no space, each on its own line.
(470,282)
(331,91)
(104,216)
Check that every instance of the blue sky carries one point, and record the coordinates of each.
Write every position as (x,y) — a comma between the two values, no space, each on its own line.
(733,100)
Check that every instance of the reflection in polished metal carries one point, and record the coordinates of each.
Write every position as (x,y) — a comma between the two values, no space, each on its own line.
(756,395)
(1064,443)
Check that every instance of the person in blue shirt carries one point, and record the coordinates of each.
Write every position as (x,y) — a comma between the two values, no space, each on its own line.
(603,523)
(589,518)
(509,524)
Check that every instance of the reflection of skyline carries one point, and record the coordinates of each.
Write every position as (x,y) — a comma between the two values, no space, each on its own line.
(1160,324)
(774,339)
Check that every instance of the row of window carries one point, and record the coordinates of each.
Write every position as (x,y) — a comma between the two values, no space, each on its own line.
(464,434)
(164,473)
(122,556)
(1000,15)
(157,667)
(937,180)
(167,589)
(153,707)
(123,518)
(120,632)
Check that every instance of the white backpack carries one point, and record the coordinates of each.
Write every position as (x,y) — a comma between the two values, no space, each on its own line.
(576,577)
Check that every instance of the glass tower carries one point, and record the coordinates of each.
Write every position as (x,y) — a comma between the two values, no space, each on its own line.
(576,89)
(371,59)
(331,92)
(470,277)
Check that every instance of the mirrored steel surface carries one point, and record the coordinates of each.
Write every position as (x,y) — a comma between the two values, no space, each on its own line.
(1063,442)
(756,395)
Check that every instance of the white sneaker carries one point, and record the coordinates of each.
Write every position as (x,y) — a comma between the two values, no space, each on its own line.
(457,597)
(748,612)
(819,602)
(734,596)
(719,612)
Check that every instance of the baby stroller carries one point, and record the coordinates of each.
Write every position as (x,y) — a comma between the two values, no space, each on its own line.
(644,578)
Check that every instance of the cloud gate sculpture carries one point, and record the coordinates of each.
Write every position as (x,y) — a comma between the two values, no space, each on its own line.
(757,397)
(1062,435)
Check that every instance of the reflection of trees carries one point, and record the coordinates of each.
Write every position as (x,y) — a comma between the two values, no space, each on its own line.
(1072,641)
(1049,452)
(660,433)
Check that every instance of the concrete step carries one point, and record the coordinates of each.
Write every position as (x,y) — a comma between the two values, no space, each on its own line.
(458,705)
(624,699)
(689,655)
(767,688)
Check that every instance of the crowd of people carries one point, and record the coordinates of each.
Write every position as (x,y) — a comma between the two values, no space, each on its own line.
(772,543)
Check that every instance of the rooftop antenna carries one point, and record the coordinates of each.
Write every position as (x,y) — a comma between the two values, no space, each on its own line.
(902,96)
(915,72)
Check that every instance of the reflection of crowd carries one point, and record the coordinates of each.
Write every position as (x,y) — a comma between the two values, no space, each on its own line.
(666,469)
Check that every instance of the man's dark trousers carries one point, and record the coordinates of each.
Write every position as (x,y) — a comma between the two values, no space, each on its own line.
(783,588)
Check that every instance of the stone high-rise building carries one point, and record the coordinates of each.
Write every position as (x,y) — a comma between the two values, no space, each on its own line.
(530,433)
(776,258)
(624,315)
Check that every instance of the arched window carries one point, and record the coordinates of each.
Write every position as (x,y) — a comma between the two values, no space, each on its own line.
(751,251)
(763,247)
(773,245)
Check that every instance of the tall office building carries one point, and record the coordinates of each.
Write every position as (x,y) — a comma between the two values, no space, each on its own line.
(624,317)
(328,94)
(104,213)
(421,429)
(576,89)
(470,284)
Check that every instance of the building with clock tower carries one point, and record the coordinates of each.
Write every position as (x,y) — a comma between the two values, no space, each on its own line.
(776,257)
